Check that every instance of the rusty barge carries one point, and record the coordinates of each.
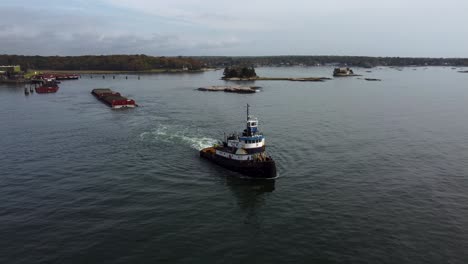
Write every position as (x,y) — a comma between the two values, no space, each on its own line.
(113,99)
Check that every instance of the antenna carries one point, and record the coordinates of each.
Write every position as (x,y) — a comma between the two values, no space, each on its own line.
(248,111)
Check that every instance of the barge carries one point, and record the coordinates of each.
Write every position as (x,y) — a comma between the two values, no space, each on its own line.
(67,76)
(55,76)
(113,99)
(243,153)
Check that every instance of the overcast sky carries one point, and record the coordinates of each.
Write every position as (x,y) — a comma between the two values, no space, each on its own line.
(406,28)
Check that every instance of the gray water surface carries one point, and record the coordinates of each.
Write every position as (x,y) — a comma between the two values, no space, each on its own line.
(370,172)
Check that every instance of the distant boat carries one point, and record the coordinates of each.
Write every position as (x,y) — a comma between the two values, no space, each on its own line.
(48,86)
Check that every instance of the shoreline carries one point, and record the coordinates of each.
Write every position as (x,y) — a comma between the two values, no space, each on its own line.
(153,71)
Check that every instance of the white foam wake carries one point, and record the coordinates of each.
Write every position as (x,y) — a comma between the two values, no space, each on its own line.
(176,135)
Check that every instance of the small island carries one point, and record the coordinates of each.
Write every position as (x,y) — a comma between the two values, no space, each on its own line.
(243,73)
(344,72)
(230,89)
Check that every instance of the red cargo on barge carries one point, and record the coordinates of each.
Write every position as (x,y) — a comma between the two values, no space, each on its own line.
(113,99)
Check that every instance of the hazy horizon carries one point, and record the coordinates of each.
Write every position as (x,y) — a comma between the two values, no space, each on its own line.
(426,29)
(236,56)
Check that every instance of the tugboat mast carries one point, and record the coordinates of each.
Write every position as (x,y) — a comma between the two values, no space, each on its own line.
(248,128)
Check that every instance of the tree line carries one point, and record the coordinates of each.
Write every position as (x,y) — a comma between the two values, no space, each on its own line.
(357,61)
(239,72)
(145,63)
(108,62)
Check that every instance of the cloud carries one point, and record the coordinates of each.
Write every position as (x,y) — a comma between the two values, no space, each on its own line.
(217,44)
(242,27)
(79,34)
(235,15)
(90,43)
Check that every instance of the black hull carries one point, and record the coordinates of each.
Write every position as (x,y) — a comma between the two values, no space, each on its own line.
(254,169)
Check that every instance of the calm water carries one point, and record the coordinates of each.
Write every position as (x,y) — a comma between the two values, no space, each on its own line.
(370,172)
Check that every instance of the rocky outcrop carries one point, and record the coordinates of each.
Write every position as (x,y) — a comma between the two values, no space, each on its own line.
(230,89)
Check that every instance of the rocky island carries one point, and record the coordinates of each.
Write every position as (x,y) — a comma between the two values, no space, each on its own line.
(249,74)
(230,89)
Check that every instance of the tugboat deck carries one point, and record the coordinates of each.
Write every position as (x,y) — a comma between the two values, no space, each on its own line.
(210,150)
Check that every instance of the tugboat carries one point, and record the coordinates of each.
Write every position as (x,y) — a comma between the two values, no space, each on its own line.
(48,86)
(244,153)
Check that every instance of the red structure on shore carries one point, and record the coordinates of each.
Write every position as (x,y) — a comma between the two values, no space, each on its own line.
(56,76)
(67,76)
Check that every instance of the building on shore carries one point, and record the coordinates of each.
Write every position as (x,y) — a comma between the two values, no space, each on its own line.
(11,72)
(10,68)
